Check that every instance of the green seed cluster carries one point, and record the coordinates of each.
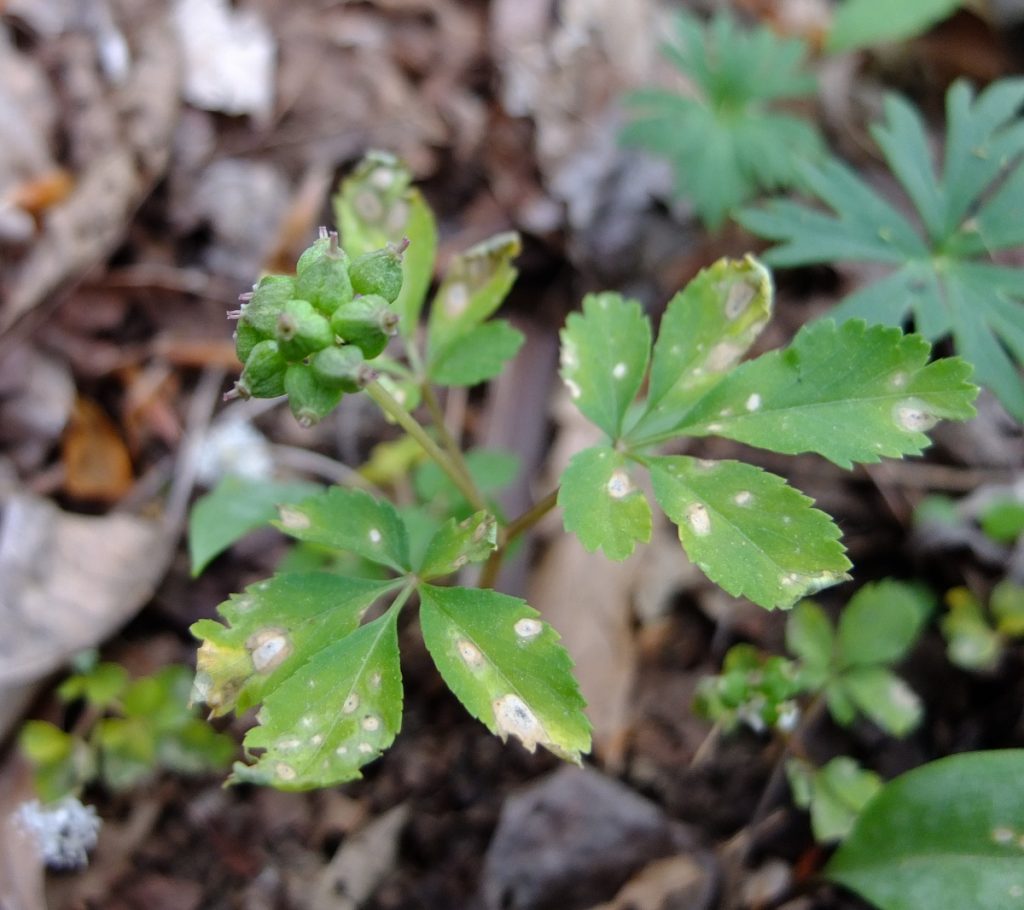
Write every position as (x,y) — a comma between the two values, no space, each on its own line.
(310,336)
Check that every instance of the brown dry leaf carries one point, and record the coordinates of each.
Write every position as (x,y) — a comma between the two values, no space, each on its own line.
(97,465)
(676,881)
(68,581)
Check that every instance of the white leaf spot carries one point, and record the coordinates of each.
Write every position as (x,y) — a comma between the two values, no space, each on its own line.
(341,751)
(913,415)
(528,628)
(308,721)
(722,356)
(513,718)
(375,679)
(460,561)
(743,498)
(268,648)
(293,519)
(243,604)
(287,745)
(470,654)
(706,464)
(753,402)
(619,370)
(285,771)
(1016,891)
(698,519)
(898,381)
(715,428)
(365,748)
(740,295)
(619,484)
(569,358)
(371,723)
(374,535)
(456,299)
(316,739)
(1002,835)
(351,703)
(574,389)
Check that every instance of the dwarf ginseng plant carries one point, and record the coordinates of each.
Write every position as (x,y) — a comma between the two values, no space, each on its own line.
(328,682)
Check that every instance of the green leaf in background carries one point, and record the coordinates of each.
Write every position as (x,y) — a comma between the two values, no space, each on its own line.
(707,327)
(99,686)
(601,505)
(334,714)
(971,641)
(881,623)
(273,628)
(458,543)
(491,470)
(478,355)
(474,286)
(350,520)
(377,205)
(1007,605)
(861,23)
(725,139)
(942,272)
(1003,520)
(748,531)
(506,667)
(835,794)
(881,696)
(232,509)
(851,392)
(811,637)
(604,357)
(946,836)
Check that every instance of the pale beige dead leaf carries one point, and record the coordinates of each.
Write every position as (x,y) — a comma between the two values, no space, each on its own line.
(68,581)
(676,881)
(360,864)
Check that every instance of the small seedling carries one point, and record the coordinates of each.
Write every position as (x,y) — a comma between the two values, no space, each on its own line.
(834,794)
(727,140)
(941,273)
(318,650)
(976,638)
(128,730)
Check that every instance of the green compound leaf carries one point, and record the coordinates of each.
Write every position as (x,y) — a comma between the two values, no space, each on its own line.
(232,509)
(478,355)
(879,695)
(272,629)
(835,795)
(334,714)
(748,531)
(604,358)
(377,205)
(946,836)
(810,636)
(724,139)
(458,543)
(601,505)
(476,283)
(350,520)
(850,393)
(941,273)
(881,623)
(707,327)
(860,23)
(506,667)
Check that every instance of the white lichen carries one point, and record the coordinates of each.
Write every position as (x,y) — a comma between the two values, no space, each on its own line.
(64,831)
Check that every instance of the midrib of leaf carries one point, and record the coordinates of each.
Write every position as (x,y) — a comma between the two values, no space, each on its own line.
(395,607)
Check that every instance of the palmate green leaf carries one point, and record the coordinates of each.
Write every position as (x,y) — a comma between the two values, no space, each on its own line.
(377,205)
(728,143)
(945,836)
(604,355)
(941,273)
(506,667)
(881,623)
(458,543)
(707,327)
(334,714)
(478,355)
(849,392)
(835,794)
(811,637)
(350,520)
(747,530)
(232,509)
(860,23)
(474,286)
(601,505)
(879,695)
(271,629)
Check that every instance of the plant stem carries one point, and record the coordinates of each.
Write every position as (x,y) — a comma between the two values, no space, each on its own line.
(449,443)
(395,409)
(515,528)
